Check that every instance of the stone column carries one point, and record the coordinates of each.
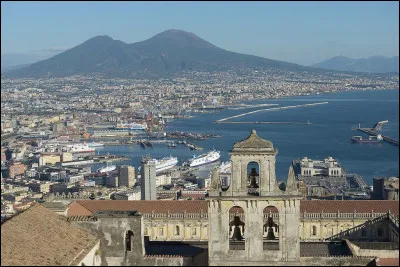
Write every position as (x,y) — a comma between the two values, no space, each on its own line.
(254,231)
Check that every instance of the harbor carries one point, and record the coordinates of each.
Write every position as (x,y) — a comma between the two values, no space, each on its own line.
(270,109)
(263,122)
(375,132)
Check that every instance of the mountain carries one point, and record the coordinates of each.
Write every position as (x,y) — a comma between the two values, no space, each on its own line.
(13,67)
(168,52)
(374,64)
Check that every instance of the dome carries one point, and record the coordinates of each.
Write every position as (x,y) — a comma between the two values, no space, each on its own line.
(253,142)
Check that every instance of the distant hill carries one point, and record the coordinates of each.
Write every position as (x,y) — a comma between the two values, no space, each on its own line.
(14,67)
(168,52)
(374,64)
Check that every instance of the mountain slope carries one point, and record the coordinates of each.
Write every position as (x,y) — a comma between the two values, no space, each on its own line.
(374,64)
(168,52)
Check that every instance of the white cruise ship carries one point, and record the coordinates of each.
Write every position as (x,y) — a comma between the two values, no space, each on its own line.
(203,159)
(107,168)
(132,126)
(95,144)
(78,148)
(164,163)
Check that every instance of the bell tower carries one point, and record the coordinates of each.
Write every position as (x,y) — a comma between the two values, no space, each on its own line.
(252,221)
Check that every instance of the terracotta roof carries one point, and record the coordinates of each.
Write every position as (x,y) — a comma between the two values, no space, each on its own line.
(349,206)
(387,262)
(87,207)
(39,236)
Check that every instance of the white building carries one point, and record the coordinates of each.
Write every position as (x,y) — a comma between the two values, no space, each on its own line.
(134,194)
(327,167)
(163,179)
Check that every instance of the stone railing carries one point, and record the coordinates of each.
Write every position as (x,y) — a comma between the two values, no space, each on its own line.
(338,215)
(178,216)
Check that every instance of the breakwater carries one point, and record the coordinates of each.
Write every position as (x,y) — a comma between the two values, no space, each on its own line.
(262,122)
(269,109)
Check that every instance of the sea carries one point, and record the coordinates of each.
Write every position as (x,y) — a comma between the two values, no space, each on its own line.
(328,134)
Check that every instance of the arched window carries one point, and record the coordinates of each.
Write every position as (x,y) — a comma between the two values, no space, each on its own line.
(177,230)
(314,230)
(253,178)
(236,228)
(271,228)
(128,240)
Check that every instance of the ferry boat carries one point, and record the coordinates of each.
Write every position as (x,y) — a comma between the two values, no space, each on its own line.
(107,168)
(203,159)
(131,126)
(164,163)
(78,148)
(94,144)
(371,139)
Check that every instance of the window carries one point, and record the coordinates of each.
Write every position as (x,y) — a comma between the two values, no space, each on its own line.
(193,231)
(363,232)
(177,230)
(380,232)
(128,240)
(314,230)
(160,231)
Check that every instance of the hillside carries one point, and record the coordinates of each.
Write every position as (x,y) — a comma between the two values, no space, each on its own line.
(168,52)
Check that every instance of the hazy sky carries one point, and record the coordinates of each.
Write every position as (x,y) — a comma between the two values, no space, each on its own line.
(298,32)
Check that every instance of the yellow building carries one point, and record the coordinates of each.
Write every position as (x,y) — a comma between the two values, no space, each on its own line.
(51,159)
(176,220)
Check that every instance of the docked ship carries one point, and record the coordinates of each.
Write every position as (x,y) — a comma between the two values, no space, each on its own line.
(371,139)
(78,148)
(94,144)
(131,126)
(203,159)
(164,163)
(108,168)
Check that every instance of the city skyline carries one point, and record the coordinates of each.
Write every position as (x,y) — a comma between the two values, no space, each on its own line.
(281,31)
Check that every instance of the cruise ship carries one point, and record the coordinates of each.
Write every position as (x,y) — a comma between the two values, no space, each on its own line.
(164,163)
(107,168)
(131,126)
(78,148)
(203,159)
(94,144)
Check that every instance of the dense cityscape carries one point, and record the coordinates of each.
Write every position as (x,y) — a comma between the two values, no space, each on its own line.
(75,192)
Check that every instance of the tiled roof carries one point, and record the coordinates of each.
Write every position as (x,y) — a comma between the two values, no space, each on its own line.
(38,236)
(387,262)
(87,207)
(349,206)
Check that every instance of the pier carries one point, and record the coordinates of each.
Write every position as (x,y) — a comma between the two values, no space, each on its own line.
(267,109)
(262,122)
(374,131)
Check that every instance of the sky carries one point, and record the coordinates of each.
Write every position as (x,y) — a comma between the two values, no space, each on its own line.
(299,32)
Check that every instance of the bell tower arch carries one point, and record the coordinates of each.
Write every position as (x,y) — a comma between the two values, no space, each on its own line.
(251,235)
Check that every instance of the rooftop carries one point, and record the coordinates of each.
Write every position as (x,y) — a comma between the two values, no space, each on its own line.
(253,142)
(88,207)
(25,239)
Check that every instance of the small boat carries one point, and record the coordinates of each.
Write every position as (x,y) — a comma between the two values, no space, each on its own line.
(371,139)
(172,145)
(142,144)
(147,143)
